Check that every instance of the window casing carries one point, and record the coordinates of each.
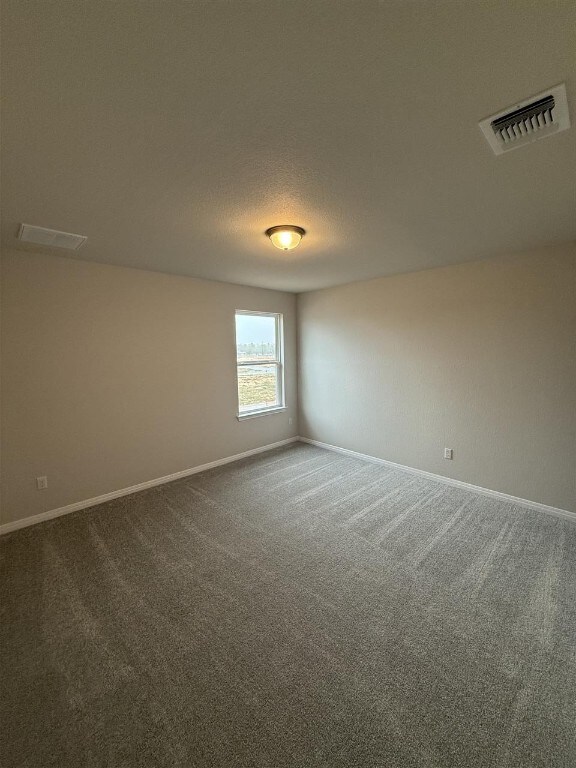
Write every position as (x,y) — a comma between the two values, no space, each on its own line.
(259,363)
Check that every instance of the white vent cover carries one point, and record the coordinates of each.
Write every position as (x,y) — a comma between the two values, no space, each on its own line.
(536,118)
(42,236)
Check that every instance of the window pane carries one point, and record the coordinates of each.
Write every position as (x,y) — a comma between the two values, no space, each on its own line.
(256,337)
(257,387)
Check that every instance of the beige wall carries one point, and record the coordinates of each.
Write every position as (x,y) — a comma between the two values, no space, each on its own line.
(113,376)
(479,357)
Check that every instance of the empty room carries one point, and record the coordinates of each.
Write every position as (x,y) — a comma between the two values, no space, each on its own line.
(288,384)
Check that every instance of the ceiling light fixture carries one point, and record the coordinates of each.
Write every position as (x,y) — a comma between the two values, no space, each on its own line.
(286,236)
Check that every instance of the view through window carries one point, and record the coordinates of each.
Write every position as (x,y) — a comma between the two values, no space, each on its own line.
(259,362)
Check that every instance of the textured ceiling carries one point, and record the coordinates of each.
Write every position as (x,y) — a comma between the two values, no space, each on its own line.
(173,134)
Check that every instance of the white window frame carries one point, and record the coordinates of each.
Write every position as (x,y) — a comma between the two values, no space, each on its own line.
(278,362)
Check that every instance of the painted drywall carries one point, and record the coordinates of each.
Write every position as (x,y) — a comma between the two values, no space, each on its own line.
(162,129)
(479,357)
(114,376)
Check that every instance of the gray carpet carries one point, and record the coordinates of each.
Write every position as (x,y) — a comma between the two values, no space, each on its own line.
(299,608)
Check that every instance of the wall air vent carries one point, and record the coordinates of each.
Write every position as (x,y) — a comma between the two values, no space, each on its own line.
(52,237)
(536,118)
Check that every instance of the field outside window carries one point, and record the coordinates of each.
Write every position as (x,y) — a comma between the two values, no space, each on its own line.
(259,362)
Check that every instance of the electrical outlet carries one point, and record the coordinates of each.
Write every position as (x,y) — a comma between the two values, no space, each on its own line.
(290,420)
(448,453)
(41,483)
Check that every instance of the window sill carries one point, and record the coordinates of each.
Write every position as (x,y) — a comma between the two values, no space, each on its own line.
(256,414)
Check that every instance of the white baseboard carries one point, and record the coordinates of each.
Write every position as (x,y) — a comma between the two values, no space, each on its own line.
(565,513)
(78,505)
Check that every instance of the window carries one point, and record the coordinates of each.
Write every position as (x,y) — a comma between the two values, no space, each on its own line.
(259,363)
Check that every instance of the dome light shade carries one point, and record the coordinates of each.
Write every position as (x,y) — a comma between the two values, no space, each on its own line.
(286,236)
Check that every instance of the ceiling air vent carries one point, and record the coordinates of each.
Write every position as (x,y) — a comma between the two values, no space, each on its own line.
(42,236)
(536,118)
